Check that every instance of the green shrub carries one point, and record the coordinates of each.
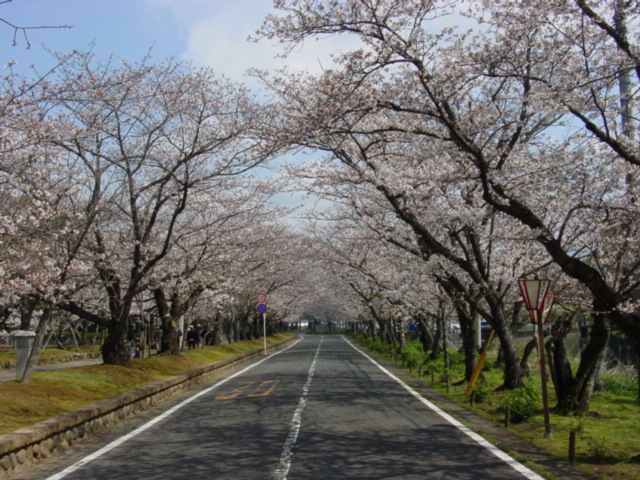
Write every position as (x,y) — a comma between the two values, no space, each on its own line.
(522,402)
(373,343)
(490,363)
(437,365)
(456,364)
(482,392)
(412,354)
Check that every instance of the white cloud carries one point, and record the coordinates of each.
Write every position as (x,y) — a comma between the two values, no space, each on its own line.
(220,40)
(215,34)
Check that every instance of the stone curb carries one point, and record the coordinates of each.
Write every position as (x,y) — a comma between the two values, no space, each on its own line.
(31,445)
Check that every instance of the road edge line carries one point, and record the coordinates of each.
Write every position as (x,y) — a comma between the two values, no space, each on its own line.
(505,457)
(119,441)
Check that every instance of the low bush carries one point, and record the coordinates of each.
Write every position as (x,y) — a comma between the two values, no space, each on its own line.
(522,402)
(482,392)
(412,354)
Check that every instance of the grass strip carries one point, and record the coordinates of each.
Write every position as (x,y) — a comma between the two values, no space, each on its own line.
(52,393)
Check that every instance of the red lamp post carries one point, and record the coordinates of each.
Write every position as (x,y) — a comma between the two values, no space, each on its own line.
(539,304)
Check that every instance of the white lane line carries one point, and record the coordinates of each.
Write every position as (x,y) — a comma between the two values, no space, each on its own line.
(282,470)
(149,424)
(513,463)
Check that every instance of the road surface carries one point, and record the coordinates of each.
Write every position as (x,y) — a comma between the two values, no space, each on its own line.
(320,409)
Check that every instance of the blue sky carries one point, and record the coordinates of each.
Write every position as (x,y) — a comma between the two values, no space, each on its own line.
(207,32)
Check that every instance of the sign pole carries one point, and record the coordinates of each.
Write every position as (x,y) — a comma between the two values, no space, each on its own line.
(262,308)
(543,374)
(264,331)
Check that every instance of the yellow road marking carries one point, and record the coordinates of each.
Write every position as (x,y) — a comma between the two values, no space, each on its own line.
(263,389)
(238,390)
(273,383)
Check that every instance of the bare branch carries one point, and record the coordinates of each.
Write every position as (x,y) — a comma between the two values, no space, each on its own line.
(17,29)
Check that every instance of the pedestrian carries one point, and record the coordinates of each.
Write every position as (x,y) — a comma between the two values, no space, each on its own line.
(192,338)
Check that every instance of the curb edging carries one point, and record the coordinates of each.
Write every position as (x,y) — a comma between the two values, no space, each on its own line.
(29,446)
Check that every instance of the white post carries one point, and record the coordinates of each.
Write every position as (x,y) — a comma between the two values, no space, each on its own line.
(22,343)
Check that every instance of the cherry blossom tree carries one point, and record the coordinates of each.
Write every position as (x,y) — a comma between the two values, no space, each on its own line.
(465,259)
(523,109)
(37,225)
(214,241)
(142,141)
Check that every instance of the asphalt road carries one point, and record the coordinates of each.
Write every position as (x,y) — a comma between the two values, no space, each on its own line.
(319,410)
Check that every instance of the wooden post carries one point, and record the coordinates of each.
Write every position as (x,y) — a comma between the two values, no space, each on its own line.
(572,446)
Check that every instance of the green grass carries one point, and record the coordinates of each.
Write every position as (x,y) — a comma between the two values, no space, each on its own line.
(606,438)
(53,393)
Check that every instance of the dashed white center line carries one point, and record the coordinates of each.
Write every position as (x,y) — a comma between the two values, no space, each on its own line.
(282,470)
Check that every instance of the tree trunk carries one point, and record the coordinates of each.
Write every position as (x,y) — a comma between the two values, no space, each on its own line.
(436,338)
(402,334)
(228,327)
(170,342)
(638,367)
(557,357)
(27,306)
(524,361)
(216,331)
(424,334)
(469,334)
(115,350)
(236,329)
(255,332)
(579,394)
(512,370)
(170,339)
(445,348)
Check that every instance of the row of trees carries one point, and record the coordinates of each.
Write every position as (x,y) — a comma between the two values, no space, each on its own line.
(458,160)
(132,188)
(466,158)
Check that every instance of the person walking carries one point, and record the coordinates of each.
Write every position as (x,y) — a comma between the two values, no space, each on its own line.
(192,338)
